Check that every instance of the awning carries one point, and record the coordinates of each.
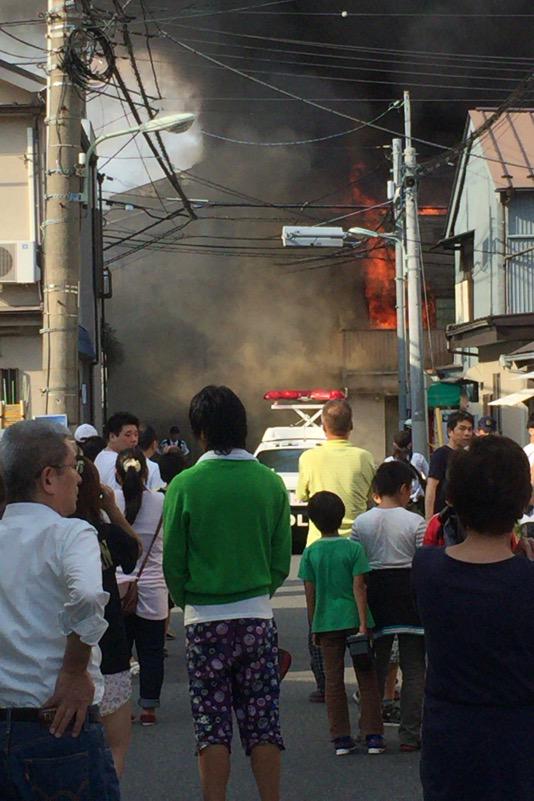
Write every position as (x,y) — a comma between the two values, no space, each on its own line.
(493,330)
(514,399)
(452,242)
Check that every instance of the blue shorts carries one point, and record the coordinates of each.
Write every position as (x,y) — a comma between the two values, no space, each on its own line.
(233,664)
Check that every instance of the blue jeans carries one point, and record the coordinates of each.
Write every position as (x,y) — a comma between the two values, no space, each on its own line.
(36,766)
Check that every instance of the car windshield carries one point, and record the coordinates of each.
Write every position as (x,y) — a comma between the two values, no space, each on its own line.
(282,460)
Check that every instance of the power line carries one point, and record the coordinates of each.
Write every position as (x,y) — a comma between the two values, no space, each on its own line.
(21,41)
(526,61)
(347,57)
(248,77)
(294,142)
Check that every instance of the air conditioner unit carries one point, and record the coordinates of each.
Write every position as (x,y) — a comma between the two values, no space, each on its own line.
(18,264)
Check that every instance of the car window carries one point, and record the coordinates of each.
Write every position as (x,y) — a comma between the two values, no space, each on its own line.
(282,460)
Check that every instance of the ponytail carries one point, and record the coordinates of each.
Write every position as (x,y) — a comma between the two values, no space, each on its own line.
(132,474)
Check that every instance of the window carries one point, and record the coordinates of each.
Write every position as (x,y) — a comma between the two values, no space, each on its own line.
(282,460)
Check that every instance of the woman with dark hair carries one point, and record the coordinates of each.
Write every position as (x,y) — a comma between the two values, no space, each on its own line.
(146,628)
(476,601)
(119,547)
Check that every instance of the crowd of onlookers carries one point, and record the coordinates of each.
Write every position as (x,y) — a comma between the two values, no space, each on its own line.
(101,536)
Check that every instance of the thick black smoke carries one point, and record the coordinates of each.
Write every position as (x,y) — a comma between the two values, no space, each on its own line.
(190,318)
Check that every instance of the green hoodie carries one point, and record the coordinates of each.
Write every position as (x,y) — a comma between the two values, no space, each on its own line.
(227,534)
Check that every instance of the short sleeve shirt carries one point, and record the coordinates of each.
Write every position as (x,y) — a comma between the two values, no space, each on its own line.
(438,470)
(331,564)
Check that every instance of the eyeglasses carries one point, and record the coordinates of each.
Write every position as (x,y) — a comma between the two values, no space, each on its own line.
(78,466)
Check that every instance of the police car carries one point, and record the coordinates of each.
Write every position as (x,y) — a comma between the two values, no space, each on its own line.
(281,446)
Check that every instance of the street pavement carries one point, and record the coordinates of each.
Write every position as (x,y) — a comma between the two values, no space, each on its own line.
(161,764)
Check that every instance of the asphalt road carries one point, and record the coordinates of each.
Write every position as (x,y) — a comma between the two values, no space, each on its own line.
(161,765)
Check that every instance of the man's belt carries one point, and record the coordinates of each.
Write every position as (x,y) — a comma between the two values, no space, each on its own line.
(23,714)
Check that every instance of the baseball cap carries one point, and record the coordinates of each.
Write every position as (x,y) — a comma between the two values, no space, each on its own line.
(85,431)
(487,424)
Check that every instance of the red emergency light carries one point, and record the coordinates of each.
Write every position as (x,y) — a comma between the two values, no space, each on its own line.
(318,395)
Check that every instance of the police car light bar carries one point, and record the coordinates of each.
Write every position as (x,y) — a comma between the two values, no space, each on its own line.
(317,395)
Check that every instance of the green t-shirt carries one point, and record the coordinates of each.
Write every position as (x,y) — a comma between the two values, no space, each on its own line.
(331,564)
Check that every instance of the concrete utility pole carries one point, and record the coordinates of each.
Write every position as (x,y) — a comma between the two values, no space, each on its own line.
(61,228)
(415,312)
(399,280)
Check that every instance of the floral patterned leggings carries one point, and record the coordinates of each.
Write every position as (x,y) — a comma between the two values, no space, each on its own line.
(233,664)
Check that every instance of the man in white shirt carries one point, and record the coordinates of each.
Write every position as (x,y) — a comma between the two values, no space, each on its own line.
(148,442)
(51,620)
(122,433)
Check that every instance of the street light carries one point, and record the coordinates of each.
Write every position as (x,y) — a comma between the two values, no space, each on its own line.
(173,123)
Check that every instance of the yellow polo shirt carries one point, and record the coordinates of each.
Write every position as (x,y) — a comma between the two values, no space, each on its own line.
(340,467)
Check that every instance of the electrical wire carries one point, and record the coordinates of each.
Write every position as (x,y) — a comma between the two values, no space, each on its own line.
(21,41)
(338,79)
(363,67)
(295,142)
(87,40)
(306,101)
(525,61)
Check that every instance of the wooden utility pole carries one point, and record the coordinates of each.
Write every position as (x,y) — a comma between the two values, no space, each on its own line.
(61,227)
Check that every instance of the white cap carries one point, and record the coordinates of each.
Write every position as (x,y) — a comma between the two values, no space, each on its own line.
(85,431)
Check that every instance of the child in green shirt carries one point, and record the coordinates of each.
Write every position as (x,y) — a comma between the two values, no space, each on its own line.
(334,571)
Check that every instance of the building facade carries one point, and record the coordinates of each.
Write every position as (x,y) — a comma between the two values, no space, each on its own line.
(22,193)
(490,228)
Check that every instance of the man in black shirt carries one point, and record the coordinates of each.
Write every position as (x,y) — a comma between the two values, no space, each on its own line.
(460,432)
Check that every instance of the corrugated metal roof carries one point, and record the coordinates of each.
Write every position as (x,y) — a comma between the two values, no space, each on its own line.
(509,146)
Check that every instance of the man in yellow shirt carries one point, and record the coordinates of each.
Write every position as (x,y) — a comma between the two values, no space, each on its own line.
(340,467)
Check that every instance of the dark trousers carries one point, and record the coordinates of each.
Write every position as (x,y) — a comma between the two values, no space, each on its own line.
(149,639)
(412,664)
(333,645)
(36,765)
(316,663)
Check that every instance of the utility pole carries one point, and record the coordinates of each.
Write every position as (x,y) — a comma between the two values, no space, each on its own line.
(415,312)
(61,228)
(399,280)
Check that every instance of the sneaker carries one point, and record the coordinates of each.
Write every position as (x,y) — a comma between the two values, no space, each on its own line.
(375,744)
(344,746)
(148,717)
(317,697)
(407,748)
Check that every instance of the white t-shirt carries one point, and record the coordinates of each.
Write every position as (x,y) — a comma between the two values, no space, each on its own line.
(105,464)
(154,481)
(529,450)
(389,536)
(152,590)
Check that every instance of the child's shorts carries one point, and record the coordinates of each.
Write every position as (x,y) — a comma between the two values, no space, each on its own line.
(233,664)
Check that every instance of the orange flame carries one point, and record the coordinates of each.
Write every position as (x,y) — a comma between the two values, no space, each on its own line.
(379,266)
(432,211)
